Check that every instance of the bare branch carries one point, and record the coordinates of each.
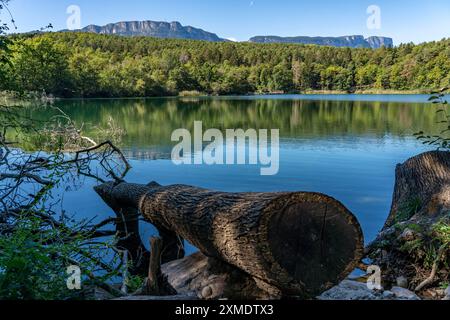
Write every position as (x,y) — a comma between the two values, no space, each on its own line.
(36,178)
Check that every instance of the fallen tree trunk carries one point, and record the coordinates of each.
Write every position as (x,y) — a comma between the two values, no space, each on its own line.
(300,243)
(127,212)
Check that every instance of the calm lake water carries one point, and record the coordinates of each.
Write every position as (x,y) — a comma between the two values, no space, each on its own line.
(343,146)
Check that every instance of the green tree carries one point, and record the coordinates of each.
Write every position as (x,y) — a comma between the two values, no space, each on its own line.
(396,79)
(85,70)
(234,81)
(40,65)
(335,78)
(205,75)
(366,76)
(80,64)
(383,79)
(180,79)
(281,79)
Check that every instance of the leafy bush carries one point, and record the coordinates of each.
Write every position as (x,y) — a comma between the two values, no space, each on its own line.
(442,139)
(33,262)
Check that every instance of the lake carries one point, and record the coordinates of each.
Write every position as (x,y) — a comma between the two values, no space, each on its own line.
(343,146)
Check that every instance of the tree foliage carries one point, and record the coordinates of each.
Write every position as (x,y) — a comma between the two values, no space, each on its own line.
(441,140)
(90,65)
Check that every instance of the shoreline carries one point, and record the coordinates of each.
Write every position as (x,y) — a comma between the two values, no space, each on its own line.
(38,96)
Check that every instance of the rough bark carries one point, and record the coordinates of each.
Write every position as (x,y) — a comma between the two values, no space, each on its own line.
(154,269)
(424,179)
(421,201)
(300,243)
(128,230)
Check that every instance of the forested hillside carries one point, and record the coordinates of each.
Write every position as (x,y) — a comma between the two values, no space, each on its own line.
(90,65)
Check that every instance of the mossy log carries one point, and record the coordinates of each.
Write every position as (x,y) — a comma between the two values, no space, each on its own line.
(300,243)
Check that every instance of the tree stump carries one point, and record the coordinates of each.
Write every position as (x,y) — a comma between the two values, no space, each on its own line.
(423,181)
(418,225)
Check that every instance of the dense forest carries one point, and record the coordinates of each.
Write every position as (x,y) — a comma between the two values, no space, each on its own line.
(90,65)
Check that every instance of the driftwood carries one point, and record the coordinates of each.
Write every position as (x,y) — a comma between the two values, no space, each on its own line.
(289,244)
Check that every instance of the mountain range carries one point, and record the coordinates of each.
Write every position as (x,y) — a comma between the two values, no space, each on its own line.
(158,29)
(346,41)
(175,30)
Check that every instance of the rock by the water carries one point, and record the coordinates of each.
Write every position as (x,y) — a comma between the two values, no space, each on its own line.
(351,290)
(447,294)
(97,294)
(402,282)
(404,294)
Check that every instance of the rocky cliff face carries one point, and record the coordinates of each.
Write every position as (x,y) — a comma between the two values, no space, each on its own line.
(347,41)
(378,42)
(153,29)
(177,31)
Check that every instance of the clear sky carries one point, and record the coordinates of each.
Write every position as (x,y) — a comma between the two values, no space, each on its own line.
(404,20)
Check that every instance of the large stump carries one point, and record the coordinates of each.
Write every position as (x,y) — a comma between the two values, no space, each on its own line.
(415,241)
(300,243)
(422,188)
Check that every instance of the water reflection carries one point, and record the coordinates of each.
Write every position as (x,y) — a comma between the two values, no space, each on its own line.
(347,149)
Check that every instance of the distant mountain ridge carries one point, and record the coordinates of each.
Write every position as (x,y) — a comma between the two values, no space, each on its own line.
(158,29)
(356,41)
(175,30)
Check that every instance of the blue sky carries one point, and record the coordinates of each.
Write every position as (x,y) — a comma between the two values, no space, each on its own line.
(404,20)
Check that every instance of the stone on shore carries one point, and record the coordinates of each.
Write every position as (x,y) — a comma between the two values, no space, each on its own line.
(353,290)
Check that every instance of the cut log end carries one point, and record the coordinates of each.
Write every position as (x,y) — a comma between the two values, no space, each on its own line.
(316,241)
